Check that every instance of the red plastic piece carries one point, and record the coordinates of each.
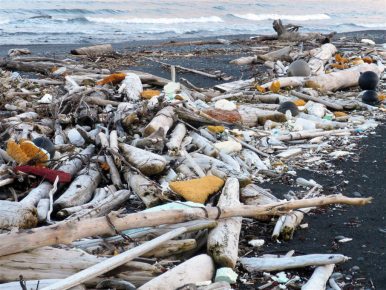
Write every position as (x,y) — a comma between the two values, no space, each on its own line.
(46,173)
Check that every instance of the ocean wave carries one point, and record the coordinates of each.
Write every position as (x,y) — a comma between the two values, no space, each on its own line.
(261,17)
(4,21)
(372,25)
(63,11)
(210,19)
(363,25)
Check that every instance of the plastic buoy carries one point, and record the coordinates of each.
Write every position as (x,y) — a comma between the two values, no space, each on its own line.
(284,107)
(368,80)
(370,97)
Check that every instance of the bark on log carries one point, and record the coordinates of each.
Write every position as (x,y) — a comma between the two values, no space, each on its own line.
(319,278)
(144,189)
(223,241)
(323,55)
(15,214)
(148,163)
(254,265)
(176,138)
(196,269)
(80,190)
(164,119)
(67,232)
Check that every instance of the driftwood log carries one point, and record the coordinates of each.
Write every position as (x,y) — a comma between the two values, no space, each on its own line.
(23,214)
(164,119)
(197,269)
(319,278)
(81,189)
(223,240)
(255,265)
(289,32)
(144,189)
(113,262)
(67,232)
(147,162)
(95,50)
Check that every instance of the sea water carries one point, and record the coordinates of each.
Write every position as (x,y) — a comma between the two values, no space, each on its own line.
(97,21)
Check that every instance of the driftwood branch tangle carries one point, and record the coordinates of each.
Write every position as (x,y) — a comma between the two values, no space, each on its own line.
(66,232)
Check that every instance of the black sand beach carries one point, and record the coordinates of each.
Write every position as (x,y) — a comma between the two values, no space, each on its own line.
(365,173)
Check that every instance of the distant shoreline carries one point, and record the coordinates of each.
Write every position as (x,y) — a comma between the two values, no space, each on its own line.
(379,36)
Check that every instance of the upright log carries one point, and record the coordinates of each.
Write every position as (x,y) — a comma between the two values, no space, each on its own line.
(223,240)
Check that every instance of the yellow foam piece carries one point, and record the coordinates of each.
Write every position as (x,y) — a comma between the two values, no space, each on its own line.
(14,150)
(216,129)
(339,114)
(197,190)
(148,94)
(33,152)
(299,102)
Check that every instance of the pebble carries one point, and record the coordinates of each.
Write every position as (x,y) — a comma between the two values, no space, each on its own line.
(355,268)
(226,275)
(256,243)
(225,105)
(75,138)
(299,68)
(288,106)
(356,194)
(337,275)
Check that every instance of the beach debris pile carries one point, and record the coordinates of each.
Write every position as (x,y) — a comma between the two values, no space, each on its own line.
(127,180)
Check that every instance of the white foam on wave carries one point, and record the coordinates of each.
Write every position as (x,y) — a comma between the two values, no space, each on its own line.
(4,21)
(210,19)
(372,25)
(261,17)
